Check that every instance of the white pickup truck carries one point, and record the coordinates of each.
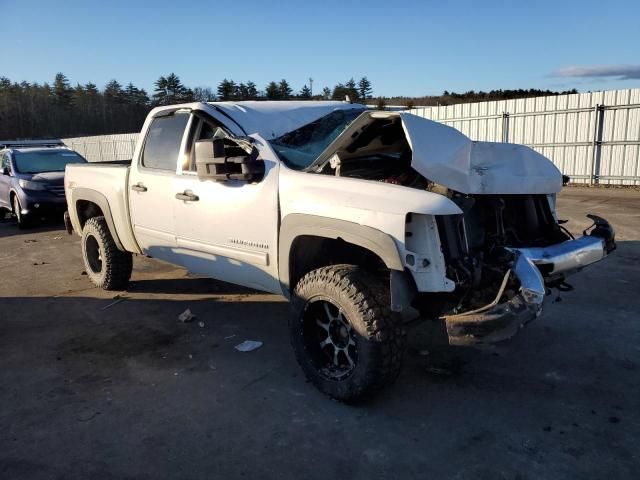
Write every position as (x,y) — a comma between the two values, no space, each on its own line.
(355,215)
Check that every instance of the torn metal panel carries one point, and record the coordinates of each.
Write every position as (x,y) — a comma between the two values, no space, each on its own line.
(447,157)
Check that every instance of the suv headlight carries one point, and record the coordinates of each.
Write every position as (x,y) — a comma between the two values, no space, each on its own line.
(29,185)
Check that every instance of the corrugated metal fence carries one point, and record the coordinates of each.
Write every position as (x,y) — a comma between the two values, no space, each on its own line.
(102,148)
(592,137)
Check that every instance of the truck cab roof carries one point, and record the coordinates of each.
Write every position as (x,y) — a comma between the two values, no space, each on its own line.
(269,119)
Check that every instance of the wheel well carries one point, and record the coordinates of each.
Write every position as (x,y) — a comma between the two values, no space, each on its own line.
(309,252)
(87,210)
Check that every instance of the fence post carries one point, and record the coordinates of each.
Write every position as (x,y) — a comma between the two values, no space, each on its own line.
(505,127)
(597,143)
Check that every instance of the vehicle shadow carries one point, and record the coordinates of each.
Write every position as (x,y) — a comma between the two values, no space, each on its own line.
(9,227)
(187,285)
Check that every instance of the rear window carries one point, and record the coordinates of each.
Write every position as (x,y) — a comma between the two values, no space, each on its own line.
(162,146)
(45,160)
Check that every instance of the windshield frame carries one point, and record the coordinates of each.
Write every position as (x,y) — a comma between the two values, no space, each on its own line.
(15,157)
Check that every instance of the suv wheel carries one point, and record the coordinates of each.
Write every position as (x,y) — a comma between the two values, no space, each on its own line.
(106,266)
(23,222)
(343,333)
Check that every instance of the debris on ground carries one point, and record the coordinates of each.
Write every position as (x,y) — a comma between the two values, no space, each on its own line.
(424,353)
(186,316)
(557,299)
(230,337)
(40,263)
(30,240)
(440,371)
(248,346)
(117,299)
(83,272)
(201,324)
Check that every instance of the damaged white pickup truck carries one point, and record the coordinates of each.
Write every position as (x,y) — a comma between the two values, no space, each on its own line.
(355,215)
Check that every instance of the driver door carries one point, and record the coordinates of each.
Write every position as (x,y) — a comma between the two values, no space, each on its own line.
(227,230)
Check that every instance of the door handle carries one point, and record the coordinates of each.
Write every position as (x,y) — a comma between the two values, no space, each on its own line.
(187,196)
(139,187)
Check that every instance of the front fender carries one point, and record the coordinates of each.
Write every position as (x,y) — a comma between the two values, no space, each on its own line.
(376,206)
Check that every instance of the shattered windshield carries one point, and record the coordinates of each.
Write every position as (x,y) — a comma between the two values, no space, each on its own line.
(299,149)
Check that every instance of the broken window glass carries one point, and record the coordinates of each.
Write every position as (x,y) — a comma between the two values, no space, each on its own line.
(299,148)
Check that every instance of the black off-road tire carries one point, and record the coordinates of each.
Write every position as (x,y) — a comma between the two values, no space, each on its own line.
(360,299)
(106,266)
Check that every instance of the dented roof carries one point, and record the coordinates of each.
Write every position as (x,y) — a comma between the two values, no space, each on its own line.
(272,119)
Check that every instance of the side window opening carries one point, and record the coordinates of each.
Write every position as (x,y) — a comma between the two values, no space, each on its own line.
(162,145)
(201,130)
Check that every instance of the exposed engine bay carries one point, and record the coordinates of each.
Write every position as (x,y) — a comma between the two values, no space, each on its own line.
(481,246)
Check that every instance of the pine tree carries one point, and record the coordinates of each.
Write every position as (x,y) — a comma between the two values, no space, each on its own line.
(176,92)
(285,90)
(273,91)
(227,90)
(113,92)
(62,89)
(160,92)
(252,91)
(305,93)
(326,93)
(352,90)
(364,88)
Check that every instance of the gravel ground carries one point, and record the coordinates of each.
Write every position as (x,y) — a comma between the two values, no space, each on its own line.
(97,389)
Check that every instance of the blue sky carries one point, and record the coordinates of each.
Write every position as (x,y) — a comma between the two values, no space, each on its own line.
(404,47)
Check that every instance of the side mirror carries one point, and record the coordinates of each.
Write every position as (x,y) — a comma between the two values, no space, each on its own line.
(221,160)
(5,171)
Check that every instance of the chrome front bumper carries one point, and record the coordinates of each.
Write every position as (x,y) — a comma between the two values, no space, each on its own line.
(532,267)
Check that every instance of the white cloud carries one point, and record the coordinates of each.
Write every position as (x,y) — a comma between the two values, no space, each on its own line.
(620,72)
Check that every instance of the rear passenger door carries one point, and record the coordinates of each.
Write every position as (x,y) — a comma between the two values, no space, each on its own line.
(151,185)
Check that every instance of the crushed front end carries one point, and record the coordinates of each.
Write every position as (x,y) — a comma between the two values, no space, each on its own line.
(504,253)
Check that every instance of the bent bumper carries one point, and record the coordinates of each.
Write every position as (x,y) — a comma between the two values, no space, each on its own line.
(532,267)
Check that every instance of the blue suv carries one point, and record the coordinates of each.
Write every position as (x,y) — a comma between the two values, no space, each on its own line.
(32,178)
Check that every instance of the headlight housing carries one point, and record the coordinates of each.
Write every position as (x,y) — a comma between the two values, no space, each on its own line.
(29,185)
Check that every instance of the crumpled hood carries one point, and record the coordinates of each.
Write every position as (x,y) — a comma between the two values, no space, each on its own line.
(445,156)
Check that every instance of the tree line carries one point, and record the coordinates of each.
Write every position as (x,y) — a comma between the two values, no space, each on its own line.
(452,98)
(58,109)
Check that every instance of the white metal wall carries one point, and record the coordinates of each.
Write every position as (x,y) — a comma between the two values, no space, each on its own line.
(592,137)
(101,148)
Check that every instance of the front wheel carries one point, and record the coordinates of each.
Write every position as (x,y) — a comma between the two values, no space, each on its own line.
(343,333)
(23,222)
(106,266)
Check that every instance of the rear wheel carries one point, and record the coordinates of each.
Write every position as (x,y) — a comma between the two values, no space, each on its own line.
(106,266)
(343,333)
